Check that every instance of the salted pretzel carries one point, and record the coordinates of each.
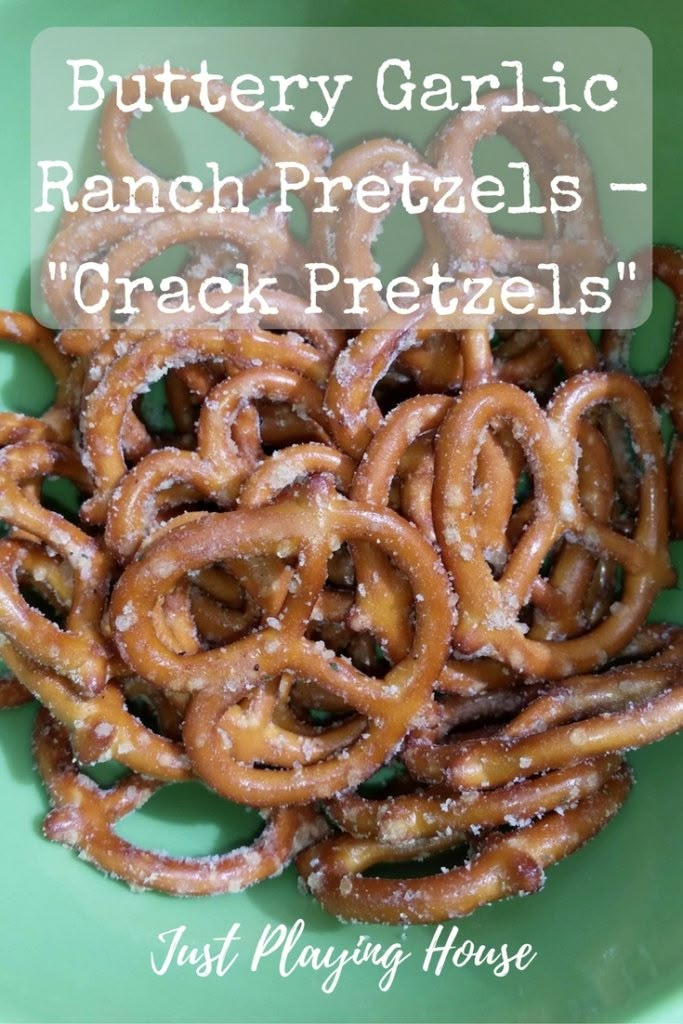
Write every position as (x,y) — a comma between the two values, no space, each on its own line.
(76,651)
(354,413)
(15,427)
(188,386)
(139,364)
(344,238)
(384,460)
(78,241)
(561,601)
(220,465)
(101,728)
(436,810)
(502,865)
(265,133)
(49,580)
(665,387)
(80,231)
(24,330)
(264,242)
(549,148)
(580,587)
(84,817)
(488,608)
(311,525)
(582,717)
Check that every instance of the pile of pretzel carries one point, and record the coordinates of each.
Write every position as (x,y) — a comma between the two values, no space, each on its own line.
(410,548)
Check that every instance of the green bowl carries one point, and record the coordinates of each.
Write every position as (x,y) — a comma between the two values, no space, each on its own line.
(77,946)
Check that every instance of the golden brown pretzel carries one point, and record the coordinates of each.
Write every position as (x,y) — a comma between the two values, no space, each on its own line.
(503,865)
(139,365)
(550,148)
(84,816)
(385,458)
(101,728)
(584,717)
(49,580)
(312,523)
(23,329)
(83,235)
(266,133)
(214,472)
(78,650)
(264,243)
(437,810)
(344,239)
(665,262)
(488,608)
(580,587)
(354,412)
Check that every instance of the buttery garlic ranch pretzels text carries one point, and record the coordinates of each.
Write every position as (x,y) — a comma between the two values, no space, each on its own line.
(345,199)
(395,86)
(396,90)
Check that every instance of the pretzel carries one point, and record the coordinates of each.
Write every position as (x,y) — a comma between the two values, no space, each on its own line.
(579,589)
(81,232)
(561,600)
(83,816)
(526,357)
(666,387)
(583,717)
(344,238)
(101,728)
(437,811)
(44,570)
(550,148)
(24,330)
(314,523)
(384,459)
(76,651)
(264,241)
(265,133)
(488,609)
(188,386)
(503,865)
(139,365)
(284,468)
(354,413)
(15,428)
(219,466)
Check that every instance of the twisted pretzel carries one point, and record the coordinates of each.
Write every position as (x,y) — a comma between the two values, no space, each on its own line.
(488,608)
(76,651)
(583,717)
(268,135)
(139,365)
(664,262)
(84,816)
(219,466)
(504,864)
(314,523)
(549,148)
(437,811)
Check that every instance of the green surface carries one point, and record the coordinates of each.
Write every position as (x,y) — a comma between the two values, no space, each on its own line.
(608,928)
